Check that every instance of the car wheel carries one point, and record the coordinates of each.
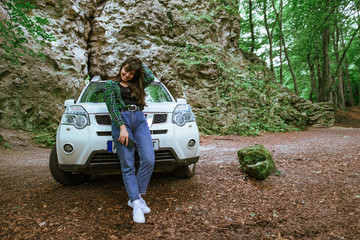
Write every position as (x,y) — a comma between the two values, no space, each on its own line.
(185,171)
(62,177)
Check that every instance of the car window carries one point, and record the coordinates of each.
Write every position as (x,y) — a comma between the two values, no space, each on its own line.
(94,93)
(154,93)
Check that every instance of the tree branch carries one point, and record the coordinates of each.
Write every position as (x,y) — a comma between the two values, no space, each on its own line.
(344,53)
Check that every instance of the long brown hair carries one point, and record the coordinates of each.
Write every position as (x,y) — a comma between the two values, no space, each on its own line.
(136,84)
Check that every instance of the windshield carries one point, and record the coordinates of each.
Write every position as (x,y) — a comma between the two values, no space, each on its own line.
(154,93)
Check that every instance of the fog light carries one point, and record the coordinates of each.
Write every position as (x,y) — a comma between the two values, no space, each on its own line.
(191,143)
(68,148)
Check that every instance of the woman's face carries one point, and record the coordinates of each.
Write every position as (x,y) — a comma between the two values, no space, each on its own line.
(127,75)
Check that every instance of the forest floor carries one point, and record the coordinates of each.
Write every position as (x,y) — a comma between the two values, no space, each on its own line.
(315,193)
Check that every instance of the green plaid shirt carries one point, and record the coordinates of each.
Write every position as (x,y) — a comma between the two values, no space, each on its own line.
(113,99)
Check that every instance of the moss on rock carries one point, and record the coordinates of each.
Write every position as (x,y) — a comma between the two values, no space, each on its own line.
(256,161)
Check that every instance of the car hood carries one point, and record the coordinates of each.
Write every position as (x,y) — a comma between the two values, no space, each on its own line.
(100,108)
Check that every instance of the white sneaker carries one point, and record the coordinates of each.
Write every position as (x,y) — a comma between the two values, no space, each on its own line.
(145,208)
(138,214)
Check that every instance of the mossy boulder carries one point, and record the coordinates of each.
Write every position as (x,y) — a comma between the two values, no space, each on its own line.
(256,161)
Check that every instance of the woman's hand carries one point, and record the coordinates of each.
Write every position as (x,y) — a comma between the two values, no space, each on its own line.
(124,135)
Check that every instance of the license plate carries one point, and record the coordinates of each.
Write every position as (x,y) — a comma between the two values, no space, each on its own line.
(112,149)
(155,144)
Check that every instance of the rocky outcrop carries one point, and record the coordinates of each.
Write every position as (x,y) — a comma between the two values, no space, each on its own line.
(314,114)
(191,46)
(32,93)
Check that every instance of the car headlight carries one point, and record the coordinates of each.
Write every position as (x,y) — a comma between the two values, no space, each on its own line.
(183,114)
(75,115)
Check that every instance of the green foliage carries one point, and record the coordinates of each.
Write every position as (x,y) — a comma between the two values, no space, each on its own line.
(353,58)
(3,143)
(189,17)
(197,54)
(302,24)
(245,41)
(18,27)
(44,138)
(6,145)
(259,95)
(231,6)
(248,92)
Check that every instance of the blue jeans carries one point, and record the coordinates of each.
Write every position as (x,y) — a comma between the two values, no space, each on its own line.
(138,129)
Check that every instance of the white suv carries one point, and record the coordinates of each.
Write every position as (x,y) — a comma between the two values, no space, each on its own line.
(84,144)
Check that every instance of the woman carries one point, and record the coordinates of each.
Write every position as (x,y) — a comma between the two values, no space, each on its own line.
(125,100)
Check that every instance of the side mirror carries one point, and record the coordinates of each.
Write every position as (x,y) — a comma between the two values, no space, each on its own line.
(181,101)
(69,102)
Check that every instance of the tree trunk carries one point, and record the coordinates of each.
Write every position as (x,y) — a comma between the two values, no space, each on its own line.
(351,97)
(290,66)
(281,64)
(312,78)
(251,27)
(318,71)
(325,78)
(285,49)
(340,86)
(281,50)
(270,36)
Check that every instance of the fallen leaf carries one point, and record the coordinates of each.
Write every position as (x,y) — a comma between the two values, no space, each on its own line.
(42,224)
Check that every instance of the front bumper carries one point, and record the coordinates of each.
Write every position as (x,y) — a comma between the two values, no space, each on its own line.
(101,161)
(90,153)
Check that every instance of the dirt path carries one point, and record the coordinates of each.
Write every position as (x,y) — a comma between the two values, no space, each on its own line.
(315,195)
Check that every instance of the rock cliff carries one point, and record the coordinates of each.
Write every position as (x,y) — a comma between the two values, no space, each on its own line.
(190,45)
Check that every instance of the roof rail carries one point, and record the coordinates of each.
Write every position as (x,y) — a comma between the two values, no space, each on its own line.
(95,79)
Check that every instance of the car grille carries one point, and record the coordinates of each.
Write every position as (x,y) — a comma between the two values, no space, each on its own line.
(105,119)
(111,158)
(159,118)
(152,132)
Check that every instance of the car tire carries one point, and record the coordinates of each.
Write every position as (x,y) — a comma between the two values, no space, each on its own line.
(62,177)
(185,171)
